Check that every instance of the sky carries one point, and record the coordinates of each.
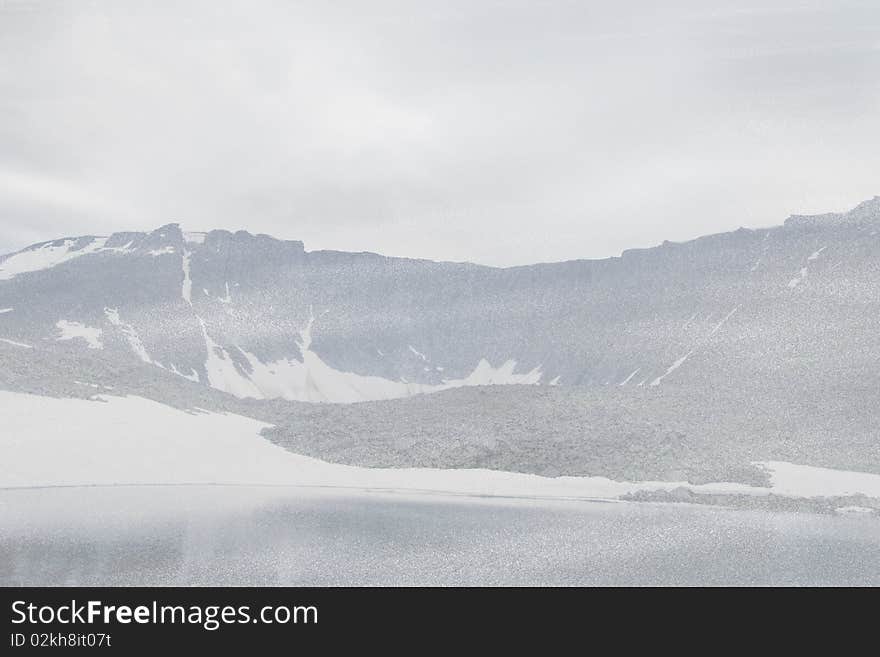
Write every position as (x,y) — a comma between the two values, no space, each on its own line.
(501,133)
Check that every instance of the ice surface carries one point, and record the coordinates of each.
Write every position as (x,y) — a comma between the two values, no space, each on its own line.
(196,535)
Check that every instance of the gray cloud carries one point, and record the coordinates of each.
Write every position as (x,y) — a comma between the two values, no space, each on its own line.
(499,132)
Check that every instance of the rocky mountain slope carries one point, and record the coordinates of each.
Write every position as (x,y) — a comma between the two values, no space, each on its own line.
(685,362)
(791,308)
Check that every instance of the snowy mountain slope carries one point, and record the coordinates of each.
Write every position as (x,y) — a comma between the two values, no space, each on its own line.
(250,339)
(671,433)
(263,318)
(124,441)
(683,362)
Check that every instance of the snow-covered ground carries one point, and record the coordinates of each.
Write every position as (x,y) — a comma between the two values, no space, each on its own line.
(313,380)
(45,256)
(77,331)
(113,440)
(789,479)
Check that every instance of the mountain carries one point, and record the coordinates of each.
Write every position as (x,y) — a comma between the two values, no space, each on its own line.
(690,358)
(263,318)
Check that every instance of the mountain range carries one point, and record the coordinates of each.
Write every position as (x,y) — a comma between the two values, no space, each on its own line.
(686,359)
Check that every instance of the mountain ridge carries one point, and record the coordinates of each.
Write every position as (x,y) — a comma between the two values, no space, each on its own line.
(865,212)
(258,317)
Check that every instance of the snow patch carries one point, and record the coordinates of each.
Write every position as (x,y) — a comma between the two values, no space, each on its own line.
(195,238)
(627,379)
(672,368)
(192,376)
(77,331)
(120,249)
(486,375)
(761,257)
(16,344)
(682,360)
(228,297)
(46,256)
(815,255)
(163,251)
(131,335)
(222,372)
(794,282)
(723,321)
(134,341)
(6,310)
(313,380)
(186,290)
(853,510)
(794,480)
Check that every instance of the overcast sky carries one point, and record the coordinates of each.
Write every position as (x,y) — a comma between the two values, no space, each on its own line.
(497,132)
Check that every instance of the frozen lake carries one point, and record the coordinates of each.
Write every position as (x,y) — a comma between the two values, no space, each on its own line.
(208,535)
